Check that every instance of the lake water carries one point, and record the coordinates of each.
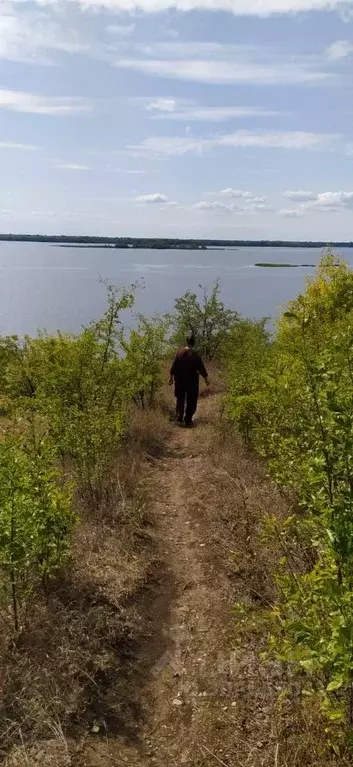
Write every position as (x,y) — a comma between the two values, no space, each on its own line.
(44,286)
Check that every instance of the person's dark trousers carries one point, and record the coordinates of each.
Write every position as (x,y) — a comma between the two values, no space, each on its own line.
(180,394)
(186,401)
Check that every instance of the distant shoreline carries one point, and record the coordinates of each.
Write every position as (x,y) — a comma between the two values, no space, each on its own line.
(285,266)
(160,243)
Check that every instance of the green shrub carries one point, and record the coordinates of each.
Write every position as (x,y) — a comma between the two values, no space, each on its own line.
(301,392)
(68,397)
(208,318)
(83,385)
(145,352)
(36,519)
(80,388)
(246,353)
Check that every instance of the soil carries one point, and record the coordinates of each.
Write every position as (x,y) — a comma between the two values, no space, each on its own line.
(202,698)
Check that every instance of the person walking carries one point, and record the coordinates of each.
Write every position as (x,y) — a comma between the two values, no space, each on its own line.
(185,372)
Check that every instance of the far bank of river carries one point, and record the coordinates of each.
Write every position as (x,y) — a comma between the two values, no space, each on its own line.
(158,243)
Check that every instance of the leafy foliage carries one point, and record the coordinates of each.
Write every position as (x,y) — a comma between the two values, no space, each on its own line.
(36,517)
(246,352)
(299,390)
(208,318)
(79,387)
(83,385)
(145,349)
(67,404)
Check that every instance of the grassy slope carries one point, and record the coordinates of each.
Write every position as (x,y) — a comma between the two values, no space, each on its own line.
(143,619)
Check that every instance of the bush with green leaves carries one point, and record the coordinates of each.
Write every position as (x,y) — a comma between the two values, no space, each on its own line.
(69,398)
(208,318)
(145,350)
(84,385)
(80,387)
(245,353)
(36,518)
(303,389)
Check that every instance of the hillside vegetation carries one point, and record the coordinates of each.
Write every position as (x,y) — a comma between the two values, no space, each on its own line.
(292,399)
(136,558)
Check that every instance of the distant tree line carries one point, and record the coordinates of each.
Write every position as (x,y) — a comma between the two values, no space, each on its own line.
(165,243)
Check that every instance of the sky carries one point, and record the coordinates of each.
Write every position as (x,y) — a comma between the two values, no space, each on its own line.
(177,118)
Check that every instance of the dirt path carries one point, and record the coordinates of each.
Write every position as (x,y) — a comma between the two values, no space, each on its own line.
(182,691)
(200,695)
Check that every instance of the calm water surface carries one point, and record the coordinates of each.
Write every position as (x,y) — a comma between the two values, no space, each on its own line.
(44,286)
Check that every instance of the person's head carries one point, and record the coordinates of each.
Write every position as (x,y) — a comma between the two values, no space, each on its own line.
(190,339)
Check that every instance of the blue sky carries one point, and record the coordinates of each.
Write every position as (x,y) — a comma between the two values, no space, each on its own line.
(200,118)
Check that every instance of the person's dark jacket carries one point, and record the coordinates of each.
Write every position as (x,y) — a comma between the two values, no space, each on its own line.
(187,367)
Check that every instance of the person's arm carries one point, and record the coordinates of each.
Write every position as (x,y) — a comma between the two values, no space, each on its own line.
(172,371)
(203,372)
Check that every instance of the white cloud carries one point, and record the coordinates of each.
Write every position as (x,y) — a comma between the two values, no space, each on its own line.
(330,198)
(235,69)
(339,50)
(166,147)
(157,197)
(250,202)
(72,166)
(215,206)
(172,109)
(120,30)
(175,146)
(33,32)
(26,35)
(237,193)
(299,195)
(135,172)
(290,213)
(237,7)
(19,147)
(326,201)
(19,101)
(252,205)
(166,106)
(198,49)
(220,113)
(223,64)
(258,207)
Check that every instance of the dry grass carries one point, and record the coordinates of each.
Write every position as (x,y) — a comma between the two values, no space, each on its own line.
(50,753)
(75,665)
(302,736)
(233,496)
(89,649)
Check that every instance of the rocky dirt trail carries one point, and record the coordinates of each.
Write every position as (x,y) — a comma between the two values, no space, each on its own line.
(203,701)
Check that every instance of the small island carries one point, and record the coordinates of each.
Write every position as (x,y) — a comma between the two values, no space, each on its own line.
(265,265)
